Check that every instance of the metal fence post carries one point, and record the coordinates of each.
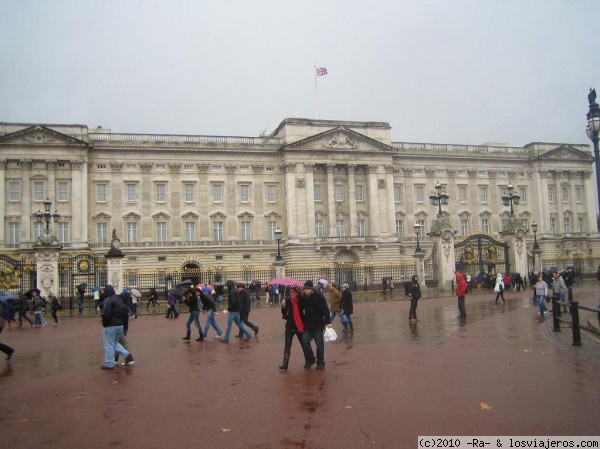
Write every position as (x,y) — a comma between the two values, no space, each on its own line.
(555,314)
(575,323)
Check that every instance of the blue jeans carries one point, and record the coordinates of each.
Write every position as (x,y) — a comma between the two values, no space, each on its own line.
(195,317)
(317,336)
(542,303)
(332,316)
(235,316)
(111,336)
(210,321)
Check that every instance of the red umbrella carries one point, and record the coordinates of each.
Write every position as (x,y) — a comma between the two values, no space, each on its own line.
(286,282)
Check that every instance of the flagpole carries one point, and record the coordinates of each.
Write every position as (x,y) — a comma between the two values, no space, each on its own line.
(316,93)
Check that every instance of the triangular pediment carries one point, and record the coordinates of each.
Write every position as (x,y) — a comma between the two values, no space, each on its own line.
(339,139)
(39,135)
(272,214)
(246,214)
(101,216)
(218,215)
(190,216)
(161,216)
(567,152)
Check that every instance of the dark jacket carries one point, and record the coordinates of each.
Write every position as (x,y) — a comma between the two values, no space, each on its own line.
(414,290)
(245,301)
(207,302)
(192,302)
(233,299)
(287,314)
(346,304)
(21,304)
(115,311)
(315,312)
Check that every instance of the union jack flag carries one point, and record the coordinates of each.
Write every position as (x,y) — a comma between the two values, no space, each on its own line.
(321,71)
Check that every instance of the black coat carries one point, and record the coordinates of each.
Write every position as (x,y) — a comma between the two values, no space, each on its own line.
(233,299)
(287,313)
(245,301)
(315,312)
(115,311)
(346,304)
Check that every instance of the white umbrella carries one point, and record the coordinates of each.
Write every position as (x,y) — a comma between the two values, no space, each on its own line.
(135,292)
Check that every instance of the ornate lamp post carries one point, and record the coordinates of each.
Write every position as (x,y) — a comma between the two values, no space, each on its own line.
(536,250)
(439,198)
(593,128)
(418,227)
(278,233)
(47,216)
(510,198)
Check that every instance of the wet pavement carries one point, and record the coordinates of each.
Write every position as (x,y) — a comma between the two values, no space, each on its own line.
(502,371)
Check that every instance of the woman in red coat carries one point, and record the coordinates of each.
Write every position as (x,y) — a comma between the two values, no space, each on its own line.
(461,291)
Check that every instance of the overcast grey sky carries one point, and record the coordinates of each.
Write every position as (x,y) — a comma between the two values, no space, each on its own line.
(454,71)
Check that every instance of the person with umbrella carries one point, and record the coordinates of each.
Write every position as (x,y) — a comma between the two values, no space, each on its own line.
(294,324)
(152,297)
(81,288)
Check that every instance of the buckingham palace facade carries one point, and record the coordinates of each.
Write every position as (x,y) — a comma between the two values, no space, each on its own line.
(340,192)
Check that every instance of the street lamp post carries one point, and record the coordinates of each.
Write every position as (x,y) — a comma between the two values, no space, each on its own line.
(439,198)
(278,233)
(418,249)
(593,128)
(536,250)
(47,216)
(510,198)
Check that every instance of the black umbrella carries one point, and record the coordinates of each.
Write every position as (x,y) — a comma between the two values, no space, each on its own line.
(82,287)
(182,287)
(29,293)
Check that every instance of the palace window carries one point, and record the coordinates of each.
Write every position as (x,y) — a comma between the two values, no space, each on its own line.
(244,193)
(14,233)
(399,228)
(565,194)
(419,197)
(131,189)
(483,194)
(271,193)
(319,228)
(359,194)
(397,193)
(188,192)
(161,231)
(63,232)
(14,191)
(361,227)
(38,191)
(340,228)
(551,194)
(218,231)
(132,231)
(161,192)
(245,227)
(217,193)
(101,193)
(63,191)
(102,232)
(190,231)
(317,192)
(338,192)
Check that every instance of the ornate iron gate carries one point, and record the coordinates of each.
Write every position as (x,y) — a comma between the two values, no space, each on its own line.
(17,274)
(481,253)
(76,268)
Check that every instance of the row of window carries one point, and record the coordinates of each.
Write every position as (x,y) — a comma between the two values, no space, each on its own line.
(189,192)
(190,229)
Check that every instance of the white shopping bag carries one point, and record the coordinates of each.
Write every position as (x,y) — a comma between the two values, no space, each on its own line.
(330,334)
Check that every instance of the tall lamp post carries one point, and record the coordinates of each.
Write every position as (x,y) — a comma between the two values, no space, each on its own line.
(510,198)
(418,227)
(47,216)
(439,198)
(593,128)
(536,250)
(278,233)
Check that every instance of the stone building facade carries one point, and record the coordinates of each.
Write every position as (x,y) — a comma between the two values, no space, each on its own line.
(340,191)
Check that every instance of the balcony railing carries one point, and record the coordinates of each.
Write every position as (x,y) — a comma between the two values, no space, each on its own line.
(170,138)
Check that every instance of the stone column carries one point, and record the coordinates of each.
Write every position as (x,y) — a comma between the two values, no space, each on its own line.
(517,248)
(279,268)
(3,194)
(352,200)
(309,216)
(114,265)
(331,201)
(79,203)
(26,201)
(389,175)
(373,196)
(293,208)
(420,269)
(442,235)
(46,263)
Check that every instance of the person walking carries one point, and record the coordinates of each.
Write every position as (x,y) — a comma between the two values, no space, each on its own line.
(316,317)
(21,306)
(38,307)
(245,306)
(191,300)
(294,324)
(5,348)
(414,292)
(461,291)
(560,288)
(54,306)
(210,309)
(171,311)
(335,301)
(114,316)
(347,307)
(541,291)
(233,309)
(499,288)
(152,297)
